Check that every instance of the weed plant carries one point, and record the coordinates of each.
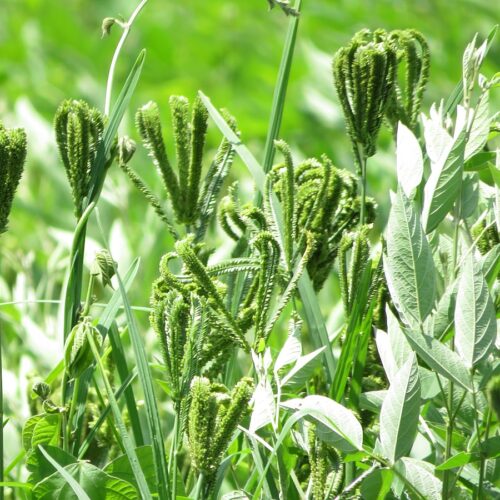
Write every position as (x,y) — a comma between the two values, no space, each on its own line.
(401,401)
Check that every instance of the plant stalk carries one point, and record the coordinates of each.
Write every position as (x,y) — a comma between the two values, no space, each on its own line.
(126,30)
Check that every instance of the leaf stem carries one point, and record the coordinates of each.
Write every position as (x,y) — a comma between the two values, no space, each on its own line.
(361,160)
(126,30)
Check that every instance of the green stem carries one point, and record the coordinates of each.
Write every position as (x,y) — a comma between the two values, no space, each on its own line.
(172,463)
(451,416)
(69,430)
(361,160)
(126,30)
(200,486)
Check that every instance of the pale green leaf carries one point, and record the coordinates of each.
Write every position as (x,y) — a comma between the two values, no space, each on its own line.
(439,357)
(409,160)
(443,186)
(400,412)
(91,483)
(408,264)
(475,320)
(335,424)
(480,127)
(421,476)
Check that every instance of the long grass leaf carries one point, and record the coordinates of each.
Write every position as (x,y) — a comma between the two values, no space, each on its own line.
(280,89)
(146,380)
(127,442)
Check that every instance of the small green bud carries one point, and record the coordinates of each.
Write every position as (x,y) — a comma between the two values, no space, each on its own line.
(103,267)
(78,354)
(107,24)
(42,390)
(126,149)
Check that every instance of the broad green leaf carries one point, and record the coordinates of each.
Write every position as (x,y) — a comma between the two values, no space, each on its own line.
(480,127)
(385,353)
(263,406)
(443,186)
(400,412)
(480,161)
(399,346)
(93,482)
(65,480)
(377,485)
(409,160)
(457,460)
(372,400)
(491,447)
(470,195)
(46,430)
(302,369)
(40,468)
(28,428)
(442,319)
(421,476)
(335,424)
(408,264)
(120,467)
(490,265)
(439,357)
(292,349)
(475,319)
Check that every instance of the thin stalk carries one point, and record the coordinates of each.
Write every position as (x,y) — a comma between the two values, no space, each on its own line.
(73,404)
(200,486)
(126,30)
(361,159)
(172,463)
(478,492)
(451,415)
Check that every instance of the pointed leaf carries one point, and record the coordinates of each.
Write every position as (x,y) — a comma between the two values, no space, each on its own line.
(421,476)
(335,424)
(409,265)
(410,163)
(439,357)
(400,412)
(475,320)
(443,186)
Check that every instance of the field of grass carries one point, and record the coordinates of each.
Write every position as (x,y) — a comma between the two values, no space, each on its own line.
(317,328)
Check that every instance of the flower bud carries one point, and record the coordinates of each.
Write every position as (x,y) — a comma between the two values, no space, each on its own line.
(78,354)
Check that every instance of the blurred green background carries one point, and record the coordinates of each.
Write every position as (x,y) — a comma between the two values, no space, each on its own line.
(52,49)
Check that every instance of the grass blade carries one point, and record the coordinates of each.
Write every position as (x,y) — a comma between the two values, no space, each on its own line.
(280,89)
(146,380)
(127,442)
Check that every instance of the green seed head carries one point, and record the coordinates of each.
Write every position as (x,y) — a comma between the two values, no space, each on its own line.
(364,73)
(12,156)
(79,135)
(413,57)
